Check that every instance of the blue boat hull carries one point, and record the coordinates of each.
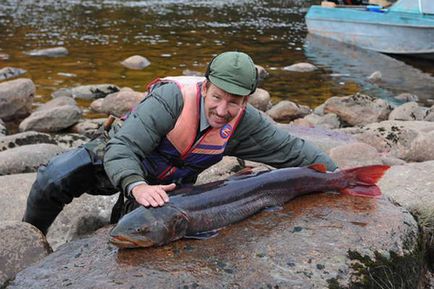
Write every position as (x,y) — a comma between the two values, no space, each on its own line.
(390,32)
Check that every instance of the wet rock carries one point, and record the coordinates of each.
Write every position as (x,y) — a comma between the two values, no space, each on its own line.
(407,97)
(58,101)
(10,72)
(355,155)
(88,127)
(334,239)
(21,245)
(4,56)
(319,110)
(358,109)
(26,159)
(2,129)
(375,76)
(301,67)
(16,97)
(96,105)
(70,140)
(121,102)
(329,120)
(260,99)
(24,138)
(287,110)
(136,62)
(430,114)
(52,119)
(48,52)
(87,92)
(82,216)
(262,73)
(408,111)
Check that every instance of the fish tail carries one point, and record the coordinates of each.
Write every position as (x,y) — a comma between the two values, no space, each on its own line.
(363,180)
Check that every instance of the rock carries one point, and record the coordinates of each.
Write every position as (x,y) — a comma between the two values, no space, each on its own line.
(87,92)
(25,159)
(262,73)
(287,110)
(430,114)
(314,241)
(329,120)
(136,62)
(375,76)
(24,138)
(58,101)
(88,127)
(48,52)
(70,140)
(302,122)
(301,67)
(407,97)
(4,56)
(52,119)
(355,155)
(319,110)
(16,97)
(188,72)
(2,128)
(121,102)
(260,99)
(21,245)
(10,72)
(96,105)
(358,109)
(83,215)
(408,111)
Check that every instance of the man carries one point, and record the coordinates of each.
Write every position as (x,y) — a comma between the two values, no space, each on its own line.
(184,125)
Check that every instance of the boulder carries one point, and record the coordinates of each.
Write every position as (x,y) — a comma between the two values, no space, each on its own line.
(358,109)
(88,127)
(287,110)
(2,129)
(48,52)
(355,155)
(375,76)
(328,120)
(96,105)
(408,111)
(316,241)
(407,97)
(52,119)
(87,92)
(136,62)
(21,245)
(25,159)
(301,67)
(261,99)
(430,114)
(70,140)
(262,73)
(24,138)
(121,102)
(10,72)
(58,101)
(16,97)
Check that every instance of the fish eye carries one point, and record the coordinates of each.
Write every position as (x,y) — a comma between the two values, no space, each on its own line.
(138,230)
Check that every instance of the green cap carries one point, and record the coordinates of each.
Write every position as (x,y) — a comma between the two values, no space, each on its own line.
(234,72)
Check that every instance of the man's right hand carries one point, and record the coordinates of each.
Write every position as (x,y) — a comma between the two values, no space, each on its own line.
(154,196)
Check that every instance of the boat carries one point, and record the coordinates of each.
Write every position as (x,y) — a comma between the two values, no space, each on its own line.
(405,28)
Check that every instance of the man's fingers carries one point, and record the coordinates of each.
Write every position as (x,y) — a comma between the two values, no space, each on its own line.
(157,196)
(169,187)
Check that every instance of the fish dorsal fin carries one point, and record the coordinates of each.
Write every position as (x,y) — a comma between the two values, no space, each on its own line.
(318,167)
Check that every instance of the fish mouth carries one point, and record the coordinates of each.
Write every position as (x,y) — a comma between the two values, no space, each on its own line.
(125,242)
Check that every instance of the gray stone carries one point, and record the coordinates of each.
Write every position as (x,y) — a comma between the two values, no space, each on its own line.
(287,110)
(261,99)
(314,241)
(48,52)
(25,159)
(262,73)
(21,245)
(58,101)
(355,155)
(15,189)
(408,111)
(328,120)
(52,119)
(10,72)
(430,114)
(87,92)
(16,97)
(301,67)
(24,138)
(96,105)
(407,97)
(375,76)
(70,140)
(2,129)
(121,102)
(358,109)
(136,62)
(88,127)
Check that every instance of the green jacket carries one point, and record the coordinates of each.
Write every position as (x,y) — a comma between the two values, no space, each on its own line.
(256,139)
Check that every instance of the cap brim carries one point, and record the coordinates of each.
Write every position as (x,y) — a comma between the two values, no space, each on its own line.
(229,87)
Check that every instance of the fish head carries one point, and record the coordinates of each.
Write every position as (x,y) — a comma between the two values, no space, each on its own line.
(146,227)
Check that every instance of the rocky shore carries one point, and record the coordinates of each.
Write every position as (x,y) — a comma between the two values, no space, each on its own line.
(324,240)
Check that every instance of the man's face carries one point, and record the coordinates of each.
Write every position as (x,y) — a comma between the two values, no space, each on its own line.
(220,106)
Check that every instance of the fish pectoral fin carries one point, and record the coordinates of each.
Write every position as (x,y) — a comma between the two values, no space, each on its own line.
(203,235)
(273,208)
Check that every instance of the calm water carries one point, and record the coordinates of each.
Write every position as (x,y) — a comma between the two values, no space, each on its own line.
(174,35)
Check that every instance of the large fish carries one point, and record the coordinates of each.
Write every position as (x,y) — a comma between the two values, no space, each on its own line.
(193,210)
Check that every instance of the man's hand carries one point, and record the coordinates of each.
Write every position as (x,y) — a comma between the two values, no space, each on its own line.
(154,196)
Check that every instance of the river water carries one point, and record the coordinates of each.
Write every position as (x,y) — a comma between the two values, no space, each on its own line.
(175,35)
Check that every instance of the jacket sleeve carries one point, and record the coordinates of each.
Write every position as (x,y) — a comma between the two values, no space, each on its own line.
(140,134)
(258,139)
